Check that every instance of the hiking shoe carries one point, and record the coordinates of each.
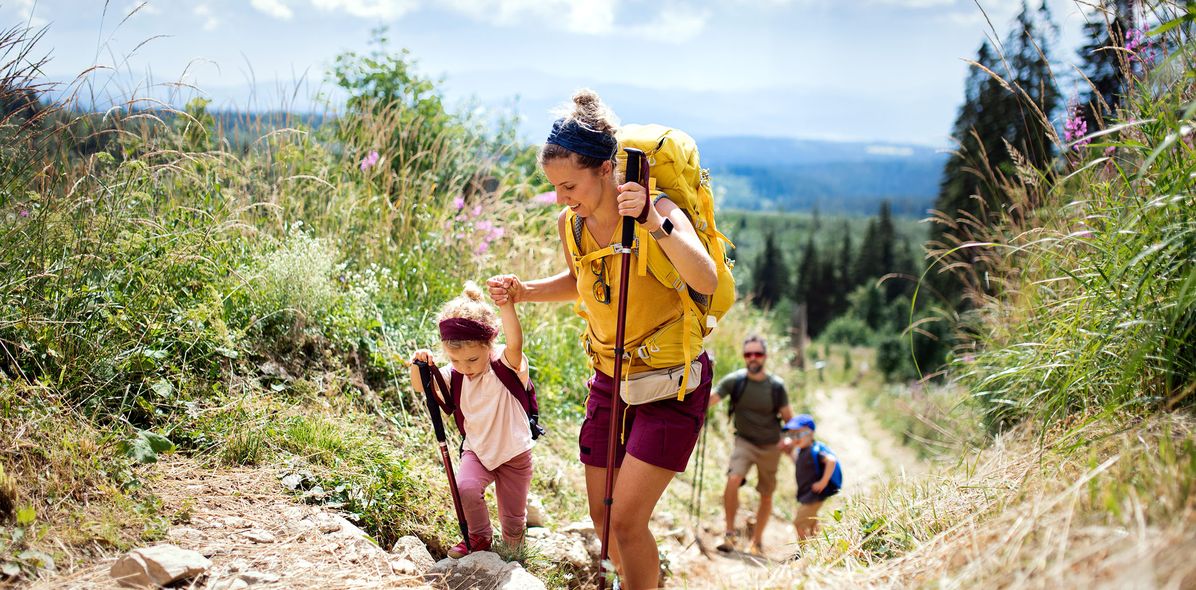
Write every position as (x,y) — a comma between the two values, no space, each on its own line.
(729,542)
(479,544)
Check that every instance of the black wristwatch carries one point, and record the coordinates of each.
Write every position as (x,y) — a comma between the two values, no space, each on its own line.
(665,230)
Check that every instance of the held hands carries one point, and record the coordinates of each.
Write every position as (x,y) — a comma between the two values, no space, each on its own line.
(633,197)
(422,355)
(505,289)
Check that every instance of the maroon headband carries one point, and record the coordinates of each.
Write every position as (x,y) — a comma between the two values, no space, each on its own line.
(465,329)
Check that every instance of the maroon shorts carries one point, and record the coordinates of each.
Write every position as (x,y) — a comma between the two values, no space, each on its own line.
(661,433)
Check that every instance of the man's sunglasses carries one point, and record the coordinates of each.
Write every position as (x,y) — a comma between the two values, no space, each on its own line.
(754,355)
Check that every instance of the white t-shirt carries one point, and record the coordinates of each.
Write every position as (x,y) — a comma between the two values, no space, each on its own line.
(496,427)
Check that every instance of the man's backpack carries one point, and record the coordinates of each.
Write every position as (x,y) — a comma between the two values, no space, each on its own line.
(675,172)
(778,394)
(510,379)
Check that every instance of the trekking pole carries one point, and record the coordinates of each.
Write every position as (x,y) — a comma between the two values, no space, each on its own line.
(636,172)
(701,477)
(425,376)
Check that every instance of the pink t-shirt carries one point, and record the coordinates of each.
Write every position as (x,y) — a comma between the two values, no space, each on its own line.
(495,424)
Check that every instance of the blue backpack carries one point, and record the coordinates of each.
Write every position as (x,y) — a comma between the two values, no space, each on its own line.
(836,482)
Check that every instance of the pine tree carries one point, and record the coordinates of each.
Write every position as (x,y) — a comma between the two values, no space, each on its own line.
(994,115)
(844,275)
(1103,64)
(770,276)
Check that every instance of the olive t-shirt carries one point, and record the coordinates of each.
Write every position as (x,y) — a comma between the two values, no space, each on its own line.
(755,415)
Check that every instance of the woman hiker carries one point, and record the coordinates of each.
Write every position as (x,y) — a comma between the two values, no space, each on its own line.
(657,438)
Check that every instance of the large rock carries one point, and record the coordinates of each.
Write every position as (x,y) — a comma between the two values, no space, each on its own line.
(519,579)
(158,566)
(482,569)
(558,548)
(413,550)
(483,562)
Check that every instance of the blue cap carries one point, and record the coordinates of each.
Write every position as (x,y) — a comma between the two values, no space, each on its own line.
(800,421)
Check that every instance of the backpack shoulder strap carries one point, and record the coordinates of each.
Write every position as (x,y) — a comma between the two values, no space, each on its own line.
(510,379)
(737,393)
(525,395)
(778,388)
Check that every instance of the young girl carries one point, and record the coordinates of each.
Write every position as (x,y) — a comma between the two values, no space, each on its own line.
(498,438)
(657,438)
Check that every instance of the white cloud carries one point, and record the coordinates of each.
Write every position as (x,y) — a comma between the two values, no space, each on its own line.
(203,11)
(675,21)
(375,9)
(915,3)
(26,9)
(142,7)
(274,8)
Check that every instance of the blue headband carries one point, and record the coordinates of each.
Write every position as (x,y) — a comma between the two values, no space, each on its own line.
(580,139)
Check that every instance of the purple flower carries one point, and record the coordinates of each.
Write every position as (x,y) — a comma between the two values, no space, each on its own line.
(1075,128)
(369,161)
(482,247)
(477,210)
(458,203)
(1135,39)
(548,198)
(497,233)
(23,213)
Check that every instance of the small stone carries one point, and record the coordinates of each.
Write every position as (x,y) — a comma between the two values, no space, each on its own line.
(236,522)
(158,566)
(412,549)
(228,584)
(292,481)
(535,512)
(253,577)
(185,533)
(258,536)
(404,567)
(537,533)
(581,527)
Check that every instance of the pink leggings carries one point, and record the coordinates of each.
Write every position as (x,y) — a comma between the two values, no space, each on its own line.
(513,480)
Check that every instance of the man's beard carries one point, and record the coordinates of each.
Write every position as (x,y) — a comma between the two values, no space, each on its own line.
(755,368)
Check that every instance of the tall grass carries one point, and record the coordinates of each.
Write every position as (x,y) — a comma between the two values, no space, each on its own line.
(1085,289)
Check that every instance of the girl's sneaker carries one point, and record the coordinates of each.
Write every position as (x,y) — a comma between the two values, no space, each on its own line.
(478,543)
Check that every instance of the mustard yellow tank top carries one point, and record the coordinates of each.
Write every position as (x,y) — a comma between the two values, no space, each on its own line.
(650,306)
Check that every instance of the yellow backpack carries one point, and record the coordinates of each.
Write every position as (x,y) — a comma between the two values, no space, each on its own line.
(676,172)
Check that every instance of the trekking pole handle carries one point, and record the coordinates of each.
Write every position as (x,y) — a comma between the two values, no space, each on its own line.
(425,377)
(636,164)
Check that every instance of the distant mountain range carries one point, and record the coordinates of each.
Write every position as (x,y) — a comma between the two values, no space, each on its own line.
(780,174)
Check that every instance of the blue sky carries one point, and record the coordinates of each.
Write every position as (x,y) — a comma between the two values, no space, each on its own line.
(877,70)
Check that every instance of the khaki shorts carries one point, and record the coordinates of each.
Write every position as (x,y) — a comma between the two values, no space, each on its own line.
(764,458)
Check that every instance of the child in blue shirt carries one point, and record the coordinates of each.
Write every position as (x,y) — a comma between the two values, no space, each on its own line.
(816,468)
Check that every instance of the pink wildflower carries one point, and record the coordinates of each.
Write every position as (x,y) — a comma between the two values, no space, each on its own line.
(458,203)
(370,160)
(548,198)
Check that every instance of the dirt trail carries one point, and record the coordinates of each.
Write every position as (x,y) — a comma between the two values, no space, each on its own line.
(869,454)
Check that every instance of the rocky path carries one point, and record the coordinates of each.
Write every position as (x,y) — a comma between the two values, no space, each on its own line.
(237,530)
(869,454)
